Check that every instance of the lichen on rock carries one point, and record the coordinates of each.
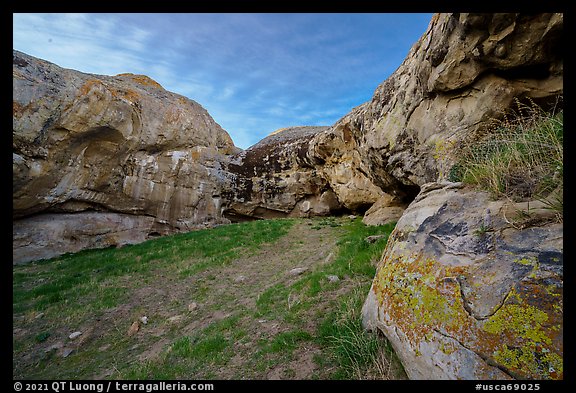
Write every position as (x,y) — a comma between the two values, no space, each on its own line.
(497,307)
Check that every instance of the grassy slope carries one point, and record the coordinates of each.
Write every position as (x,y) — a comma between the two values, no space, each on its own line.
(97,291)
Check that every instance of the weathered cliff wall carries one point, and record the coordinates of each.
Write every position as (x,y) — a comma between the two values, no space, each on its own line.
(461,291)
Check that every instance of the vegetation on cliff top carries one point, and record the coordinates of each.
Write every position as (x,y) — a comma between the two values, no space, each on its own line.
(521,157)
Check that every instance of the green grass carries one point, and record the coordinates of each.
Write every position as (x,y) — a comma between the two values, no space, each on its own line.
(288,341)
(348,349)
(521,157)
(359,355)
(91,277)
(311,311)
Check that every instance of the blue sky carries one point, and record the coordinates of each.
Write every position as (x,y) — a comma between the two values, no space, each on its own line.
(254,73)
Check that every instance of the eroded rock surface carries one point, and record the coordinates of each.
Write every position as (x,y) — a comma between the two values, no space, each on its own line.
(462,293)
(465,71)
(274,178)
(121,145)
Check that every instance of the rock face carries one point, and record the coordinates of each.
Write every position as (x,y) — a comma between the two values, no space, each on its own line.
(461,291)
(275,178)
(386,209)
(463,294)
(283,175)
(465,70)
(150,159)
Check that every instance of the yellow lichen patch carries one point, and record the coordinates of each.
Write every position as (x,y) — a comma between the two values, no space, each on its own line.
(519,320)
(142,79)
(419,298)
(525,335)
(527,261)
(531,358)
(448,348)
(422,298)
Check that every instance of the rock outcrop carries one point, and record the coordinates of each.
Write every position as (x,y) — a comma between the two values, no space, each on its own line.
(150,159)
(465,71)
(284,175)
(462,292)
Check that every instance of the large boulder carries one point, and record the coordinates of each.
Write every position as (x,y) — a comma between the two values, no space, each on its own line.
(471,288)
(387,209)
(121,145)
(280,176)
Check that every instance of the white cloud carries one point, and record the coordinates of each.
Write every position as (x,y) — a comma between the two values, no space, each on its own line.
(226,93)
(90,43)
(254,73)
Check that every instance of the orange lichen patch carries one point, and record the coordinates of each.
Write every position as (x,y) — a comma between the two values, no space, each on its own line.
(183,100)
(195,155)
(89,85)
(142,79)
(128,95)
(18,109)
(93,85)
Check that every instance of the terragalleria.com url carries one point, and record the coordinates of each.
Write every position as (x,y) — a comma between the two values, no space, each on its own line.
(101,387)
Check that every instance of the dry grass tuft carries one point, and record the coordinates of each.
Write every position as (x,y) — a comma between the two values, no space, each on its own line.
(520,157)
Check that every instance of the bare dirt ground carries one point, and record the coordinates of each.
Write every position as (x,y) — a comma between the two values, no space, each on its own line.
(237,286)
(266,323)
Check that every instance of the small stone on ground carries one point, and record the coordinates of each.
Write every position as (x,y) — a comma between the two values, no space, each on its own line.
(134,329)
(74,335)
(297,271)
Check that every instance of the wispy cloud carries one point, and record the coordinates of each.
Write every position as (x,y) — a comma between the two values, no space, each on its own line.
(253,72)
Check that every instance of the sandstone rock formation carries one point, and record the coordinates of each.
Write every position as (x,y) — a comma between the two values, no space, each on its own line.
(385,210)
(462,293)
(290,174)
(466,70)
(150,159)
(274,178)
